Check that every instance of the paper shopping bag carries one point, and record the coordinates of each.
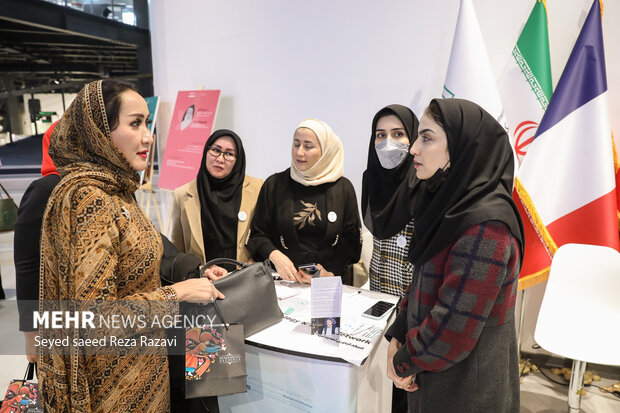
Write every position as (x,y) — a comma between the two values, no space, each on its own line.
(22,395)
(214,361)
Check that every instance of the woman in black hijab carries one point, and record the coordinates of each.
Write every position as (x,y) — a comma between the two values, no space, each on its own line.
(453,344)
(211,215)
(394,129)
(210,219)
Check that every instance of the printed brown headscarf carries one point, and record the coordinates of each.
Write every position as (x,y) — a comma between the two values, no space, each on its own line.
(81,142)
(84,155)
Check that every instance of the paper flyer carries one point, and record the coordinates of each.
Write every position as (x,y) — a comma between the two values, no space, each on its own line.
(326,306)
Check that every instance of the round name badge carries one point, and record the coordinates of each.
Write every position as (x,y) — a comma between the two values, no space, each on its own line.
(401,241)
(242,216)
(332,217)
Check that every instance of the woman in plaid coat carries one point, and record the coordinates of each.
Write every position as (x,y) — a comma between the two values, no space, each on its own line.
(453,344)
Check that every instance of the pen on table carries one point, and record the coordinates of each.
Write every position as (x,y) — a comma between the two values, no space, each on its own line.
(361,329)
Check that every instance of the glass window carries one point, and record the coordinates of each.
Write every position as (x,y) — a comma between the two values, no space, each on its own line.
(119,10)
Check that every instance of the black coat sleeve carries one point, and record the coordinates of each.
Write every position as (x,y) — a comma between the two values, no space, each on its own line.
(398,329)
(349,247)
(259,242)
(176,266)
(27,249)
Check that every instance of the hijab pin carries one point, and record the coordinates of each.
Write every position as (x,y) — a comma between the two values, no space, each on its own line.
(242,216)
(125,212)
(332,217)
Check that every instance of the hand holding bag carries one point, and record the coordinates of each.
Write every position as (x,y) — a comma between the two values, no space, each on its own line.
(8,212)
(250,296)
(22,395)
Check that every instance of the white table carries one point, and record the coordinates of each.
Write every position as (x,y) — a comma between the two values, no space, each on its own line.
(290,370)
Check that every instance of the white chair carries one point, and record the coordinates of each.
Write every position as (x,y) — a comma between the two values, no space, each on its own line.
(579,315)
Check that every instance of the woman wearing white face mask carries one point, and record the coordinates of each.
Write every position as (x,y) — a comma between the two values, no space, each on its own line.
(388,163)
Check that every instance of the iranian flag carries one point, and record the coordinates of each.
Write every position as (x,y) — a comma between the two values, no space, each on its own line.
(470,75)
(525,85)
(566,187)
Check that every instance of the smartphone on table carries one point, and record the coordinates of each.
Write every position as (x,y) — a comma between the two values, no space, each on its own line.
(378,310)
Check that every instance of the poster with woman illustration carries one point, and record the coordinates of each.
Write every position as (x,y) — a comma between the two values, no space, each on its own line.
(192,123)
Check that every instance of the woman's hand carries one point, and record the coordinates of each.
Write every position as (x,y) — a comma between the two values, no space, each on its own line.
(31,348)
(284,266)
(405,383)
(214,273)
(307,278)
(197,289)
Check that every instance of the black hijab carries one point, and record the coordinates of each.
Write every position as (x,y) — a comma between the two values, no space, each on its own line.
(220,200)
(379,184)
(476,188)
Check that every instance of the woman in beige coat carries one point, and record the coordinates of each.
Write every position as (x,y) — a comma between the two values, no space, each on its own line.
(211,215)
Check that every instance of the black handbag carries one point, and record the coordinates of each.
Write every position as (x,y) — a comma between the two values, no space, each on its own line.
(250,296)
(8,212)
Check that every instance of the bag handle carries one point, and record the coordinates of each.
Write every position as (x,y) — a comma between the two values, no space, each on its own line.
(217,261)
(5,191)
(219,313)
(30,371)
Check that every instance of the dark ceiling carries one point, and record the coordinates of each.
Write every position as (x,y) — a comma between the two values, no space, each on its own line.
(45,47)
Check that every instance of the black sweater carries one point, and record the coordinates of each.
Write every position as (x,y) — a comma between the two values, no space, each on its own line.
(26,246)
(273,226)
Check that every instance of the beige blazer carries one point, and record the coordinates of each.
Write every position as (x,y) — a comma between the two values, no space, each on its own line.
(186,230)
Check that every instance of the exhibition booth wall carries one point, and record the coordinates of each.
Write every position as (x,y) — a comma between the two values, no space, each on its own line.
(277,62)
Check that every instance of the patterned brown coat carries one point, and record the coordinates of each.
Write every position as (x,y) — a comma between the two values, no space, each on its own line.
(97,244)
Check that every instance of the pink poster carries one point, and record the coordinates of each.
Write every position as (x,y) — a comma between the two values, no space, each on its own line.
(191,126)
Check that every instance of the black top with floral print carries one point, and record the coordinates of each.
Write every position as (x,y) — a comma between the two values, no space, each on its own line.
(309,216)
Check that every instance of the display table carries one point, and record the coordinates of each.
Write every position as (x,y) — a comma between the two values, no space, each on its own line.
(290,370)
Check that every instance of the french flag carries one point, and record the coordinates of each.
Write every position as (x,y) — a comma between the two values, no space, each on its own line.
(566,186)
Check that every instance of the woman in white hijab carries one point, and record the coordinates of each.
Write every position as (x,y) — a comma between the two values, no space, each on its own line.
(307,214)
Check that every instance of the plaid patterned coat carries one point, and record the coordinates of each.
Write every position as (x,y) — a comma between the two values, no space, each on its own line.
(457,325)
(390,271)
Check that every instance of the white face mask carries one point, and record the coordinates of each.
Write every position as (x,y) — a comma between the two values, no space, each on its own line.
(391,153)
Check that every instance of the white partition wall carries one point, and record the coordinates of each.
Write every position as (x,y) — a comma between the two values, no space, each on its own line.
(280,61)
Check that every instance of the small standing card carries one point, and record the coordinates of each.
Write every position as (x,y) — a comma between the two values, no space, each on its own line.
(326,306)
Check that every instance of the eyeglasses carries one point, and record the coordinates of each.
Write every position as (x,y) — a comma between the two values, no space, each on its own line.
(216,152)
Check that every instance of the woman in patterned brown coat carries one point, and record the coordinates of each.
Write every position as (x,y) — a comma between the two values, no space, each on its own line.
(97,244)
